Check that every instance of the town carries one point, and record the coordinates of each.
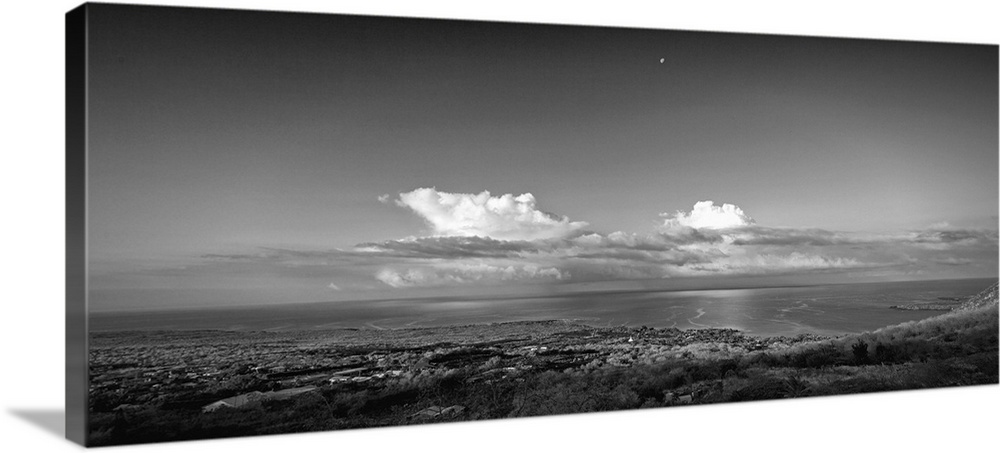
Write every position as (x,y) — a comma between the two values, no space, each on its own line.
(187,368)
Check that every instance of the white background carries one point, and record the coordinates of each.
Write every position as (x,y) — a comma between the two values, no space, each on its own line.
(32,275)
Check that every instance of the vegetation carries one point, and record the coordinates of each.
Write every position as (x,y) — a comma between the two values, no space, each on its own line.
(511,370)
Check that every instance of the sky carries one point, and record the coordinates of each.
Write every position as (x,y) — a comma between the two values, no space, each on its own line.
(248,158)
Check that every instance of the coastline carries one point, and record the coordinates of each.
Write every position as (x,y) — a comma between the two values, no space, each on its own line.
(149,386)
(826,310)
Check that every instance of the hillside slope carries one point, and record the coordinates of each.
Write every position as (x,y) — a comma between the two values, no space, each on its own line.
(984,299)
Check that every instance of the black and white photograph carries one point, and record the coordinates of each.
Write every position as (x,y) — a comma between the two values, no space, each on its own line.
(289,222)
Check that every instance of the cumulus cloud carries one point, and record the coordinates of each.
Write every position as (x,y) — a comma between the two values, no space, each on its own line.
(503,217)
(706,214)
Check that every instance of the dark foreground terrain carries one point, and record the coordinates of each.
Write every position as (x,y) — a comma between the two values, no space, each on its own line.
(163,386)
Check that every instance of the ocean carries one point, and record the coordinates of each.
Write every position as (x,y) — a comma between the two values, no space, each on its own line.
(823,310)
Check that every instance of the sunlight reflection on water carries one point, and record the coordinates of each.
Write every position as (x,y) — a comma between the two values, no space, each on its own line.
(829,310)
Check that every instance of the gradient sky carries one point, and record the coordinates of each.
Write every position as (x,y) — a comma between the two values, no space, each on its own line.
(239,157)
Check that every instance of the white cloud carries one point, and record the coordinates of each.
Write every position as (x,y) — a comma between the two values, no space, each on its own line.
(490,240)
(707,215)
(504,217)
(768,263)
(384,198)
(466,272)
(333,286)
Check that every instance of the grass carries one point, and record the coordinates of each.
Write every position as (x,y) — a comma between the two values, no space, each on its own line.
(496,380)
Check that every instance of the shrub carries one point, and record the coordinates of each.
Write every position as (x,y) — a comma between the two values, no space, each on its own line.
(860,351)
(759,389)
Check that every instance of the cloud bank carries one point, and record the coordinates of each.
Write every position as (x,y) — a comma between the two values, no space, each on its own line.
(505,217)
(483,240)
(478,238)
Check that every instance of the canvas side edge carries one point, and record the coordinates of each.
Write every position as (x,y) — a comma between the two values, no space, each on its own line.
(77,378)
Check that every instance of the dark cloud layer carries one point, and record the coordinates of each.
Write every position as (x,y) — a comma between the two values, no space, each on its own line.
(449,247)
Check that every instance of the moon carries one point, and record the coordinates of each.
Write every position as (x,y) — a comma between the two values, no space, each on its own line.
(661,60)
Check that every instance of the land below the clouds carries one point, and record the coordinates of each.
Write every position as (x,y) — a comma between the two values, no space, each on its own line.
(156,385)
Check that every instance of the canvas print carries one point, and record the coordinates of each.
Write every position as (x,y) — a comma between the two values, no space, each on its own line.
(304,222)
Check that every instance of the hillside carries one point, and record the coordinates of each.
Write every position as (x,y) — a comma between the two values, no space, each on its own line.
(153,386)
(984,299)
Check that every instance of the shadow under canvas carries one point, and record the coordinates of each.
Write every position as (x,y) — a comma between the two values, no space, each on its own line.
(51,420)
